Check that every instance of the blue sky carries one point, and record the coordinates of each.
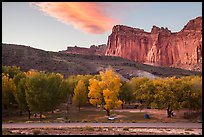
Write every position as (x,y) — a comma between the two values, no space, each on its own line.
(39,27)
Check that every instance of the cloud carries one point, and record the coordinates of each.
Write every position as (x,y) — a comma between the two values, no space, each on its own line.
(89,17)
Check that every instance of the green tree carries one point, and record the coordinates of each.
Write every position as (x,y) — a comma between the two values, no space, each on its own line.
(166,96)
(73,80)
(135,85)
(65,87)
(54,89)
(126,93)
(192,92)
(19,93)
(80,94)
(37,96)
(44,91)
(104,92)
(147,93)
(21,97)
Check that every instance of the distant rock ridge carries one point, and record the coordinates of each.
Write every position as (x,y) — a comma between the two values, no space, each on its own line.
(161,47)
(93,50)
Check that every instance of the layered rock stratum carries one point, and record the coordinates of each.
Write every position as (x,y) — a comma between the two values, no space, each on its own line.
(159,47)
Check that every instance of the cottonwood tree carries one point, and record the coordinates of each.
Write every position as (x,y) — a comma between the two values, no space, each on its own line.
(104,92)
(36,94)
(166,96)
(135,85)
(147,93)
(39,92)
(44,91)
(8,87)
(80,94)
(187,92)
(11,70)
(73,80)
(126,93)
(192,92)
(19,93)
(65,87)
(54,89)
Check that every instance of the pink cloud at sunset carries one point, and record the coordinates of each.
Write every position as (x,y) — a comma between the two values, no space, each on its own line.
(88,17)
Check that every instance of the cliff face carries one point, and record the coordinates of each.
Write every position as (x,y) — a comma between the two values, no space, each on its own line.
(93,50)
(161,47)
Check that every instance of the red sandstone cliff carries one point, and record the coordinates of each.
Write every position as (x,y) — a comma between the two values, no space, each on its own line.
(93,50)
(182,49)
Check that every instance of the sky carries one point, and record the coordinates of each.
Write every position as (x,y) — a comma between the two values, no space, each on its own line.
(53,26)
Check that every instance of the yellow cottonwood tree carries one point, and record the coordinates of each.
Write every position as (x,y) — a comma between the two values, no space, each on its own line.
(104,92)
(8,87)
(80,95)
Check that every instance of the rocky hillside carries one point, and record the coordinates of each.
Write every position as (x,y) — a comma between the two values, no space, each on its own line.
(159,47)
(72,64)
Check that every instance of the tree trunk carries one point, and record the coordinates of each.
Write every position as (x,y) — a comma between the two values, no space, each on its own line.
(40,116)
(66,117)
(107,112)
(169,112)
(20,112)
(67,108)
(29,114)
(122,105)
(5,107)
(68,105)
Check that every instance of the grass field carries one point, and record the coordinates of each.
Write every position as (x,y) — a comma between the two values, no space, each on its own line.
(92,114)
(86,114)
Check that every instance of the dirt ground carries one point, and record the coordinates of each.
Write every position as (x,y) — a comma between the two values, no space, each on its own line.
(162,115)
(102,131)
